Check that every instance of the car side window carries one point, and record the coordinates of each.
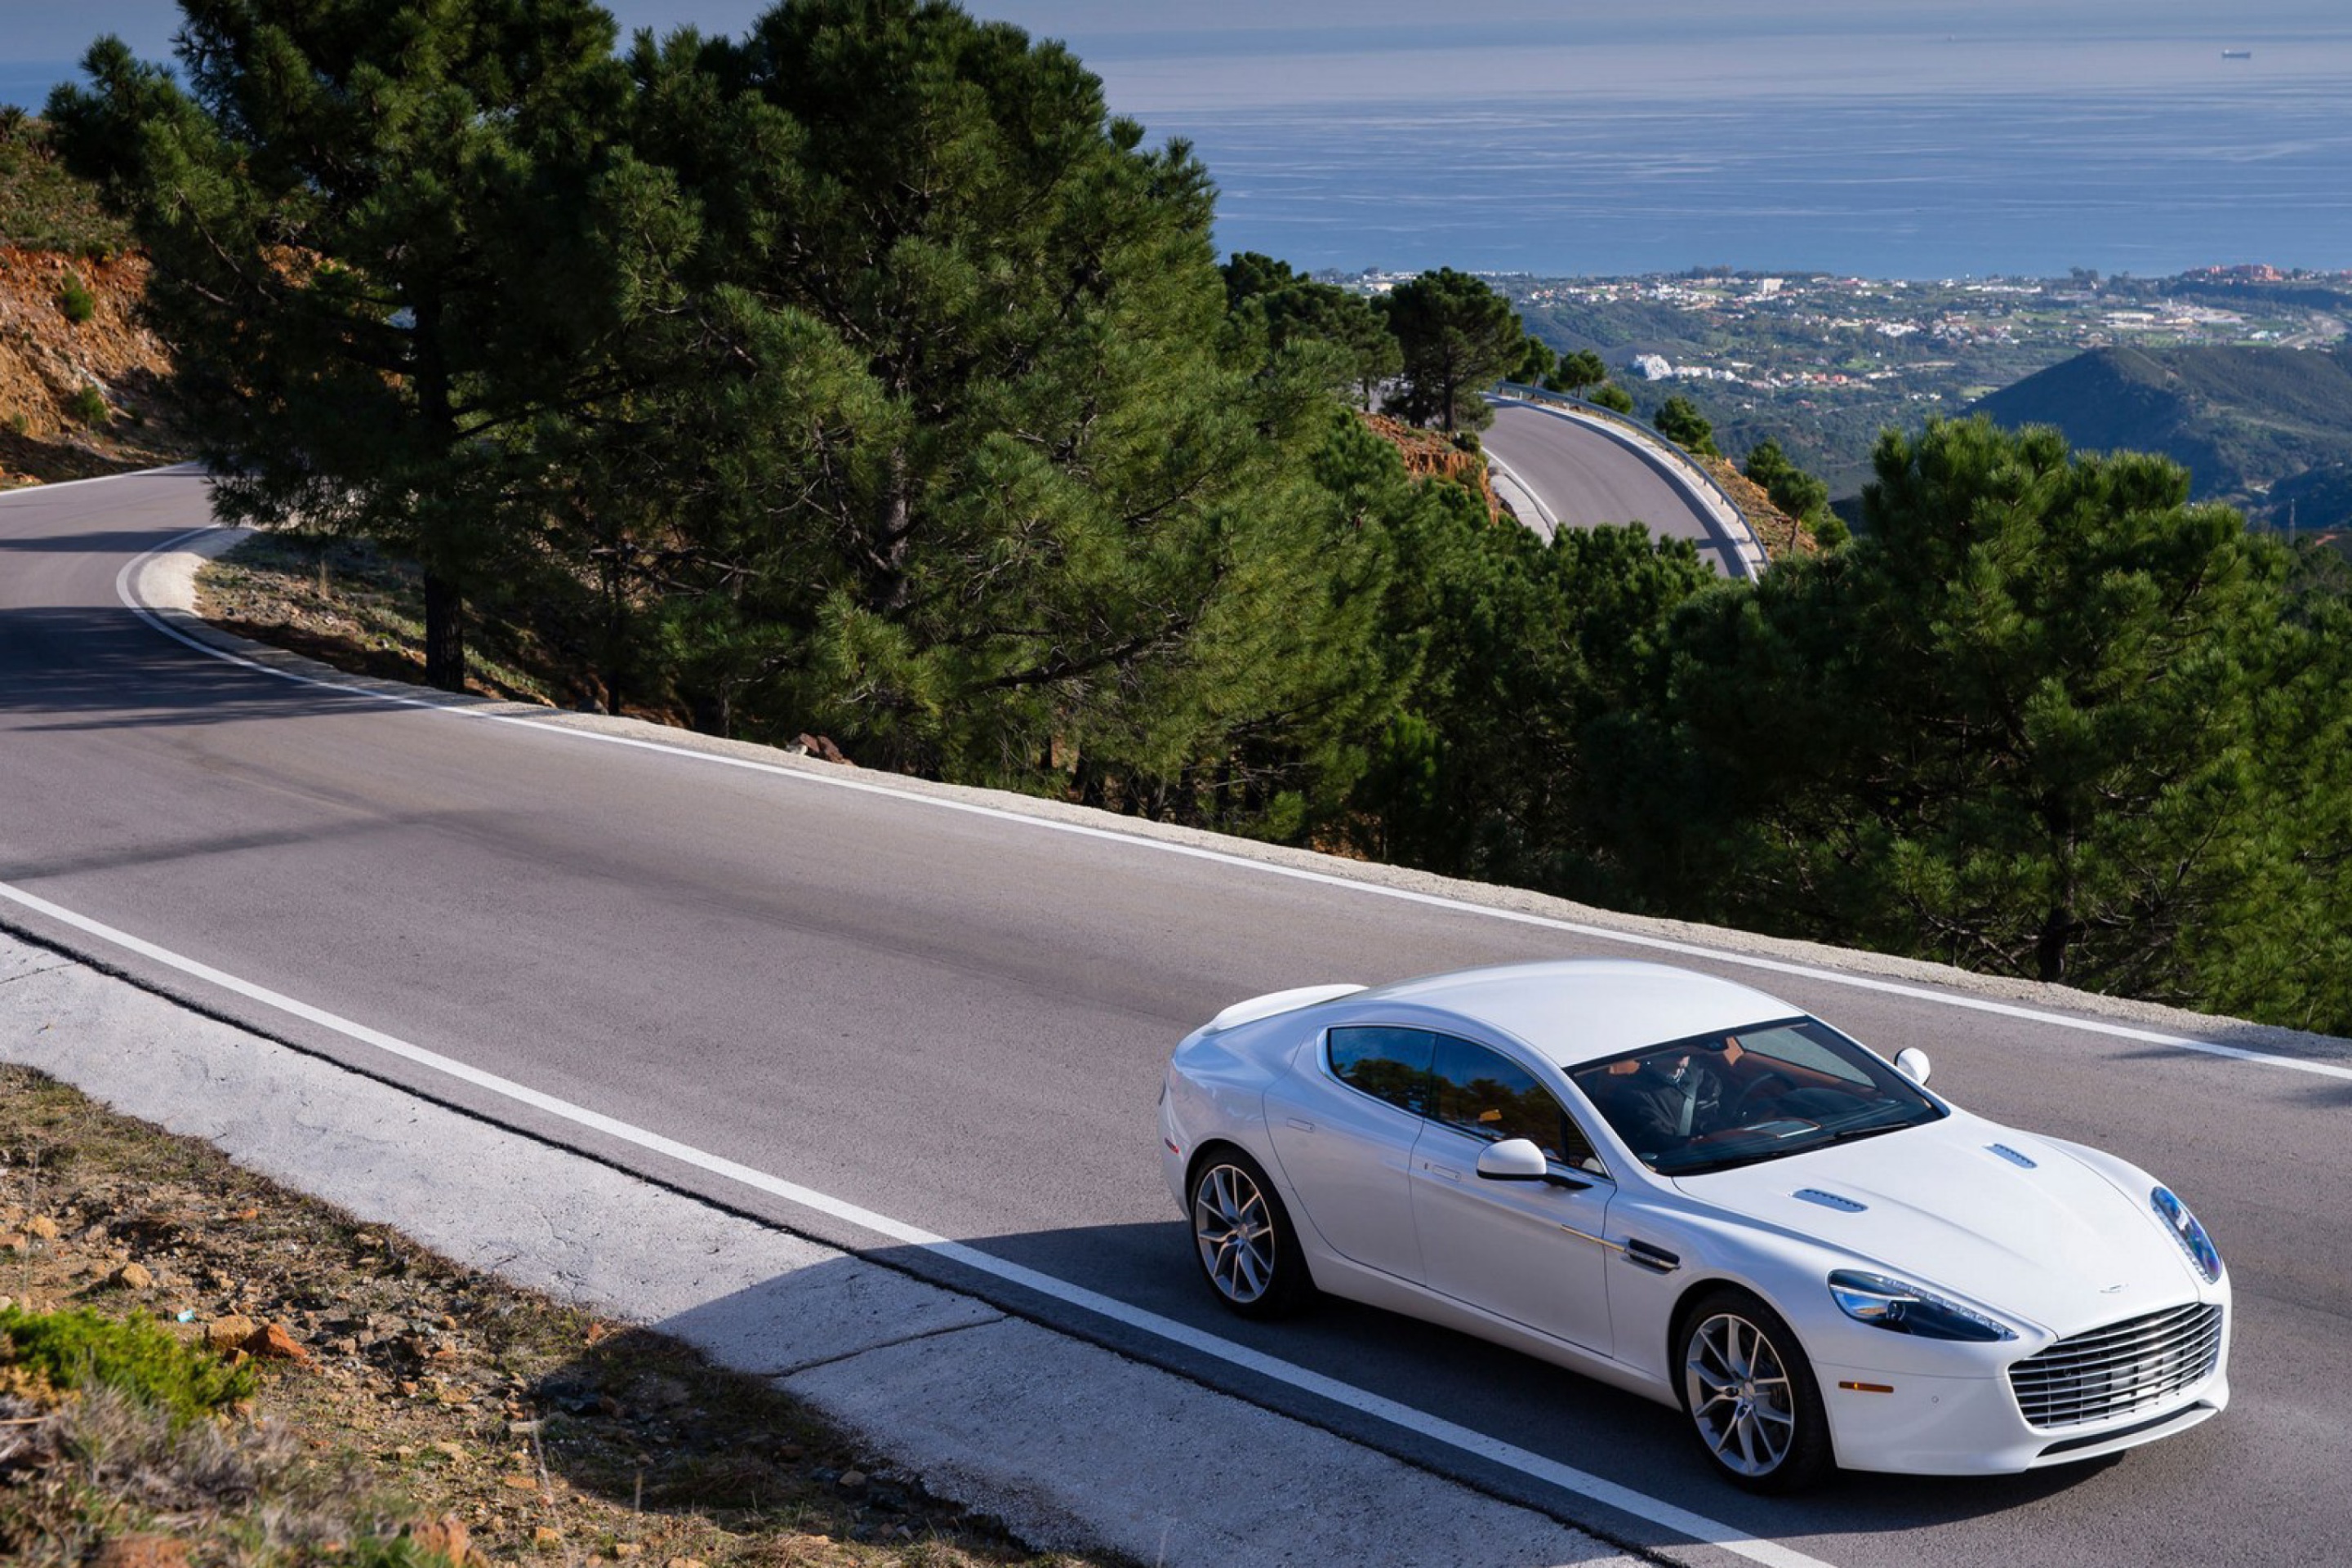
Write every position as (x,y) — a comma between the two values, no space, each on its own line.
(1387,1064)
(1489,1096)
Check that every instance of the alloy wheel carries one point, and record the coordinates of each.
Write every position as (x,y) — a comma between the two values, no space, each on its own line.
(1235,1227)
(1740,1395)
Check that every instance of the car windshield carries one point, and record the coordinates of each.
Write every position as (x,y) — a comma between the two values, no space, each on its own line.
(1746,1095)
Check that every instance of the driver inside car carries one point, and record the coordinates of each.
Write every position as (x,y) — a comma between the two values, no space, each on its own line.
(1662,1102)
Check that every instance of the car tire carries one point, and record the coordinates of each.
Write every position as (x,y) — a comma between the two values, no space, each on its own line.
(1750,1394)
(1241,1235)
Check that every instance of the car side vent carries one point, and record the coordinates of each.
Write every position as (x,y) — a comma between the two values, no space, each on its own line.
(2013,1157)
(1829,1200)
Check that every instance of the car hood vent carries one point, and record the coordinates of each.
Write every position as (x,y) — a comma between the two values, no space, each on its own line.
(1829,1200)
(2013,1157)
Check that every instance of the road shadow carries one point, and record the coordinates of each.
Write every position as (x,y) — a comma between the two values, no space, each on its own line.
(118,543)
(100,668)
(851,1322)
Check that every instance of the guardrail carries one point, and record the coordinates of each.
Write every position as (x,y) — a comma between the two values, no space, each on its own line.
(1686,468)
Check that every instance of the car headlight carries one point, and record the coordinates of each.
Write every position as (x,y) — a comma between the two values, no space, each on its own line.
(2187,1233)
(1906,1309)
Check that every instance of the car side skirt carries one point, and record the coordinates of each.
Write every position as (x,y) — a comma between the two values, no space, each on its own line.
(1339,1276)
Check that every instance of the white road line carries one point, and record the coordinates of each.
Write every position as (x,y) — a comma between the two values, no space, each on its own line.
(125,588)
(1463,1439)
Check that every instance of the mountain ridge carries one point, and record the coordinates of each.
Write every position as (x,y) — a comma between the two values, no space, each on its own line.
(2248,424)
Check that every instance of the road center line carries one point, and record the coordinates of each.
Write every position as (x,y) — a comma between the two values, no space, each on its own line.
(1452,1434)
(126,589)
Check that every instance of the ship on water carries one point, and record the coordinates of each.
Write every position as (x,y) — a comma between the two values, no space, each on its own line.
(2237,54)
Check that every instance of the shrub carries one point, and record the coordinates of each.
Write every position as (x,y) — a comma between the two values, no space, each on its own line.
(1680,421)
(76,301)
(88,405)
(135,1356)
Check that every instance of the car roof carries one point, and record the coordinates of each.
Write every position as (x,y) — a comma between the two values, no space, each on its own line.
(1578,1010)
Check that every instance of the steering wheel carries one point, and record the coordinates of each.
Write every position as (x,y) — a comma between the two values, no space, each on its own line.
(1765,1086)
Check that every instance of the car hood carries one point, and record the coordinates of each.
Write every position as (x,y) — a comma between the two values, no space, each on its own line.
(2056,1244)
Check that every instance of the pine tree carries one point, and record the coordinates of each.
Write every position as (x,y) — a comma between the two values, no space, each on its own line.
(2032,723)
(964,465)
(347,205)
(1459,337)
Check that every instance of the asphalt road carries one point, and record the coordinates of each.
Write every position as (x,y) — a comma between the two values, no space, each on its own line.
(960,1020)
(1585,480)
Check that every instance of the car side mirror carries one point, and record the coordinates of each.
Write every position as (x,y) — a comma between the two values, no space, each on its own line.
(1513,1160)
(1912,1063)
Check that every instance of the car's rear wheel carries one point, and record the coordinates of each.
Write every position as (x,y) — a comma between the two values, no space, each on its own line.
(1752,1394)
(1243,1237)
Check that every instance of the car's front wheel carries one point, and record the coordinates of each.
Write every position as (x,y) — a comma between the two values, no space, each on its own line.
(1243,1237)
(1752,1394)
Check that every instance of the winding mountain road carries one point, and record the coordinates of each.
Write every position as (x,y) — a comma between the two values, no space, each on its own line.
(953,1009)
(1565,467)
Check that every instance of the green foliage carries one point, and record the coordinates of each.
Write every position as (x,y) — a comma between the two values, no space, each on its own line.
(136,1356)
(1609,395)
(1298,315)
(1518,648)
(1537,364)
(43,206)
(1459,337)
(1021,495)
(1792,489)
(1680,421)
(1572,372)
(374,214)
(76,301)
(2044,717)
(88,406)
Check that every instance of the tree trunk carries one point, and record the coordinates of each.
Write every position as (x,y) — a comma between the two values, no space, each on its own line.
(445,595)
(2058,928)
(713,711)
(444,634)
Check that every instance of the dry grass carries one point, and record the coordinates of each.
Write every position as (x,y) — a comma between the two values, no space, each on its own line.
(423,1408)
(345,603)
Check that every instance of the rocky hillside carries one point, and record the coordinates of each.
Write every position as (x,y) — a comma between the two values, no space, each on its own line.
(81,382)
(1431,454)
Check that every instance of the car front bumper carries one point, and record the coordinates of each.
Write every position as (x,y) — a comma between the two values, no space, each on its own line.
(1971,1425)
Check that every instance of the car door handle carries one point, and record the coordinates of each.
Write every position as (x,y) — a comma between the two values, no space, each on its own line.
(1450,1175)
(1302,1126)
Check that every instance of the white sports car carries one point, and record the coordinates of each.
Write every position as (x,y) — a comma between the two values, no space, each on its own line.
(1685,1188)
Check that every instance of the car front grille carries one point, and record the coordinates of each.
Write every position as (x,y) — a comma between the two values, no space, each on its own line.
(2114,1371)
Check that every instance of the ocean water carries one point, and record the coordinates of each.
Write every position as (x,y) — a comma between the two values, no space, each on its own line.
(1889,188)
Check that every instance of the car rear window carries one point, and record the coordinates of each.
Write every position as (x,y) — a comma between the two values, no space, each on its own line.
(1387,1064)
